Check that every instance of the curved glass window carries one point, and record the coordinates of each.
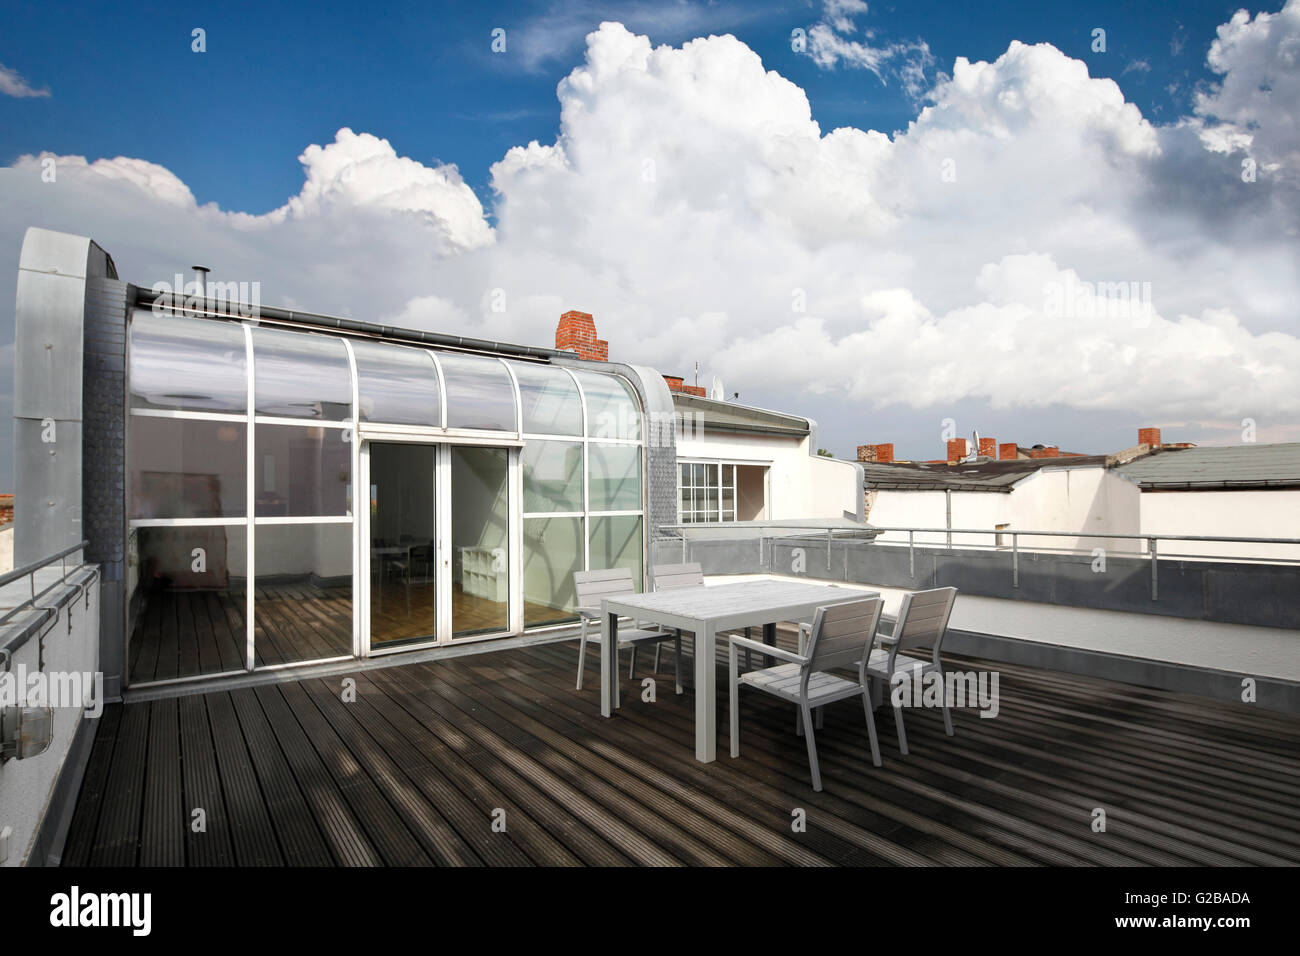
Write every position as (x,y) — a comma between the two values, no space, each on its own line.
(397,385)
(187,364)
(612,408)
(299,375)
(479,392)
(551,405)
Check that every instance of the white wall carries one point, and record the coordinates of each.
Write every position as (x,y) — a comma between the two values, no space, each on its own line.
(800,485)
(1074,500)
(1077,500)
(1240,514)
(6,549)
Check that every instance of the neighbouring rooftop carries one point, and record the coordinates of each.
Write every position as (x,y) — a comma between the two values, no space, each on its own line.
(1227,466)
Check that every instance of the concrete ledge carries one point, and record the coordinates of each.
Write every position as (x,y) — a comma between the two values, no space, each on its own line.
(1270,692)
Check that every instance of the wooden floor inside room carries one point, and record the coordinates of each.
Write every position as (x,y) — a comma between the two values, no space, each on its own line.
(190,633)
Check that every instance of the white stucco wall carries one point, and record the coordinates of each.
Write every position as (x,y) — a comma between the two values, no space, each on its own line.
(800,485)
(6,549)
(1244,514)
(1074,500)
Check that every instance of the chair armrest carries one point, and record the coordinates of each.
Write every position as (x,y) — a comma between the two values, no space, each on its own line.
(777,652)
(589,612)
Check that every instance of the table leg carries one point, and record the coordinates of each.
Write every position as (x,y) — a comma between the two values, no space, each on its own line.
(769,637)
(706,695)
(608,664)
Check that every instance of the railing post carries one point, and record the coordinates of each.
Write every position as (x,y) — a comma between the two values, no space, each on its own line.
(828,549)
(1015,560)
(1155,580)
(911,553)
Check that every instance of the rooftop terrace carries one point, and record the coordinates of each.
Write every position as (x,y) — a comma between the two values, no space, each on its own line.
(411,772)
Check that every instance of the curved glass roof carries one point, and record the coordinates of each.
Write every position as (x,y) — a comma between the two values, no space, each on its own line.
(199,365)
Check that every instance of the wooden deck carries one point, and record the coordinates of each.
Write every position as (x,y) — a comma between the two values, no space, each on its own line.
(413,771)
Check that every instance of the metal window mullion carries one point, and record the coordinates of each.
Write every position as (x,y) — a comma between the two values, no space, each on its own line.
(191,415)
(442,387)
(250,561)
(586,468)
(356,497)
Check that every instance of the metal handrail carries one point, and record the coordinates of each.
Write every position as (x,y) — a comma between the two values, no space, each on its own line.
(30,603)
(1152,542)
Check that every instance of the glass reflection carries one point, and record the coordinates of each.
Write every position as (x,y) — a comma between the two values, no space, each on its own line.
(397,385)
(552,475)
(550,400)
(614,477)
(479,392)
(612,408)
(183,363)
(299,375)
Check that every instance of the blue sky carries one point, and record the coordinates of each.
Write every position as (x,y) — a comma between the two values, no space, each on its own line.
(376,162)
(278,76)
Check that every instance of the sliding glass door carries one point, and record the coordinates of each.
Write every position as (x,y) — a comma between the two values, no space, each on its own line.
(403,543)
(437,542)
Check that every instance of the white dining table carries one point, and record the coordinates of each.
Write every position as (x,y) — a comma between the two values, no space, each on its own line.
(705,611)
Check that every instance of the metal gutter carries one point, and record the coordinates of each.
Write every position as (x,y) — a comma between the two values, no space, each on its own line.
(263,314)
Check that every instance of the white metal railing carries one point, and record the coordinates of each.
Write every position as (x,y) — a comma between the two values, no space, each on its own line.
(31,602)
(1151,542)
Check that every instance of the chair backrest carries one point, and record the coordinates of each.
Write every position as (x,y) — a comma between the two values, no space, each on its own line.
(592,586)
(922,620)
(669,576)
(842,634)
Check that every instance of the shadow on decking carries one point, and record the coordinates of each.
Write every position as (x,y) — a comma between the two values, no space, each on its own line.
(414,770)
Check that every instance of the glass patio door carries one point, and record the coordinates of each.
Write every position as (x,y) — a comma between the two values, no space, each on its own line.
(437,548)
(402,543)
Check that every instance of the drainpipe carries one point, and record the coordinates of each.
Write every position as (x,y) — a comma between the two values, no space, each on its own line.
(947,518)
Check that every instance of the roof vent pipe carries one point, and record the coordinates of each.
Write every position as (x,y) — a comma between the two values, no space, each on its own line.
(201,280)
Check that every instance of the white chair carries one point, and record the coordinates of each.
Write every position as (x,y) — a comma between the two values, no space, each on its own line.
(922,622)
(592,588)
(670,576)
(841,636)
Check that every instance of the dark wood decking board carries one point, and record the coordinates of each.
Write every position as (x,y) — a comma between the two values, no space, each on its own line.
(412,771)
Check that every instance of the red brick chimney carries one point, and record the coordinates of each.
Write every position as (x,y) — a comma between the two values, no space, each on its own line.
(988,448)
(6,510)
(577,333)
(877,453)
(956,450)
(1149,436)
(1051,451)
(1008,451)
(676,384)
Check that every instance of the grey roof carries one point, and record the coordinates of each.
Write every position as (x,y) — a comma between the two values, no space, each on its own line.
(1225,466)
(734,417)
(998,476)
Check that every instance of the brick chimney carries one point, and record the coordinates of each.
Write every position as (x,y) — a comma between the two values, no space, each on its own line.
(1051,451)
(1008,451)
(956,450)
(877,453)
(577,333)
(988,448)
(676,384)
(1149,436)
